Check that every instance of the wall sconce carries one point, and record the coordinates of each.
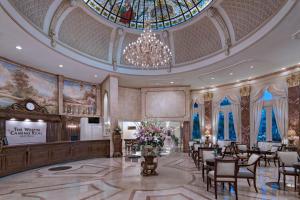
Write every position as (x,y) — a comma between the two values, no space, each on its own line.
(71,126)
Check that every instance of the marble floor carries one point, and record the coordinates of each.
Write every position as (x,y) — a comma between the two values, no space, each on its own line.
(119,179)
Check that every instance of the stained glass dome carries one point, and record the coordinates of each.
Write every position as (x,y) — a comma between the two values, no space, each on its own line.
(162,13)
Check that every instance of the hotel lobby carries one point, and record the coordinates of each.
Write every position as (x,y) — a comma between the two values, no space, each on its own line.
(149,99)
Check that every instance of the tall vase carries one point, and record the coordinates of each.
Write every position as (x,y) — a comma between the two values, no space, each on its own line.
(148,165)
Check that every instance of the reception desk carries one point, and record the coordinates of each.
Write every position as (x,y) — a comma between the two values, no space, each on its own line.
(19,158)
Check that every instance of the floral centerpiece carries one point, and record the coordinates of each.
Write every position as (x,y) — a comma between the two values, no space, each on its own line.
(150,138)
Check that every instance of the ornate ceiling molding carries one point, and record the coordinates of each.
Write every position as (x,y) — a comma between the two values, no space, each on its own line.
(53,29)
(214,13)
(59,10)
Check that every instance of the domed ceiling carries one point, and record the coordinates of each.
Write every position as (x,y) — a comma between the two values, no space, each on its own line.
(95,32)
(161,13)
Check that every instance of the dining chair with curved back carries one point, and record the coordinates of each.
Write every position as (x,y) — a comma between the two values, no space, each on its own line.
(286,160)
(248,171)
(206,153)
(225,171)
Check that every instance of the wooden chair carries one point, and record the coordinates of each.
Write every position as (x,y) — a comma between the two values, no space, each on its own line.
(191,144)
(200,156)
(195,153)
(225,172)
(229,150)
(248,171)
(285,166)
(273,155)
(241,152)
(206,154)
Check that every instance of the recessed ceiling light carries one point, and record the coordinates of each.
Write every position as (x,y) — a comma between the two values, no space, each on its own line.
(19,47)
(230,73)
(61,66)
(96,76)
(283,68)
(251,66)
(212,78)
(172,82)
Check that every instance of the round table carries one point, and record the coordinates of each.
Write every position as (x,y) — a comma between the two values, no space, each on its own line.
(297,167)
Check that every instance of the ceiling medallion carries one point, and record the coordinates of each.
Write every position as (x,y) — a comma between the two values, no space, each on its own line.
(147,52)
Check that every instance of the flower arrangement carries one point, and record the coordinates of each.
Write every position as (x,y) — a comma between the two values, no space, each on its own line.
(150,134)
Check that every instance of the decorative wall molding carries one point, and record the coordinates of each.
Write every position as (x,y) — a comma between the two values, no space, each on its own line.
(171,103)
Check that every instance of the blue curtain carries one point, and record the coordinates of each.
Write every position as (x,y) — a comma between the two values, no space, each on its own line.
(220,135)
(262,134)
(196,127)
(232,134)
(196,134)
(261,137)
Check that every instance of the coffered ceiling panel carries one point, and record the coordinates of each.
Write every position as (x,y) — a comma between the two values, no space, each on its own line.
(247,15)
(84,33)
(34,10)
(195,41)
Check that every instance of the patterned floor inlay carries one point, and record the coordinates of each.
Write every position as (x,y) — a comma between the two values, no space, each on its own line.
(120,179)
(61,168)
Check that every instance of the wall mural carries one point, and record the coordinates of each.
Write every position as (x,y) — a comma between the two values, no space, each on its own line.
(18,83)
(79,98)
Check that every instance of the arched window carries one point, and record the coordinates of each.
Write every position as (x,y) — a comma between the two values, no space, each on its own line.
(221,126)
(232,135)
(226,129)
(196,134)
(268,129)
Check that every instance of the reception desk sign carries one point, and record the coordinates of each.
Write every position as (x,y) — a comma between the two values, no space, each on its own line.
(25,132)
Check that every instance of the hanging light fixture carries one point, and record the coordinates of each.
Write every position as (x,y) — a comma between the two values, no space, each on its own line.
(147,52)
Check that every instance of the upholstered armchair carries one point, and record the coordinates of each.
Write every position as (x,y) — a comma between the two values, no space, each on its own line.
(285,163)
(206,154)
(200,155)
(248,171)
(225,171)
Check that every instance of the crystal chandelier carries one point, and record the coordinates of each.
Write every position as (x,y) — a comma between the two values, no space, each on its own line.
(147,52)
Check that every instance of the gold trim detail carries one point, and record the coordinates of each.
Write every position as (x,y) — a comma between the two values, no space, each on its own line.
(293,80)
(208,96)
(245,91)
